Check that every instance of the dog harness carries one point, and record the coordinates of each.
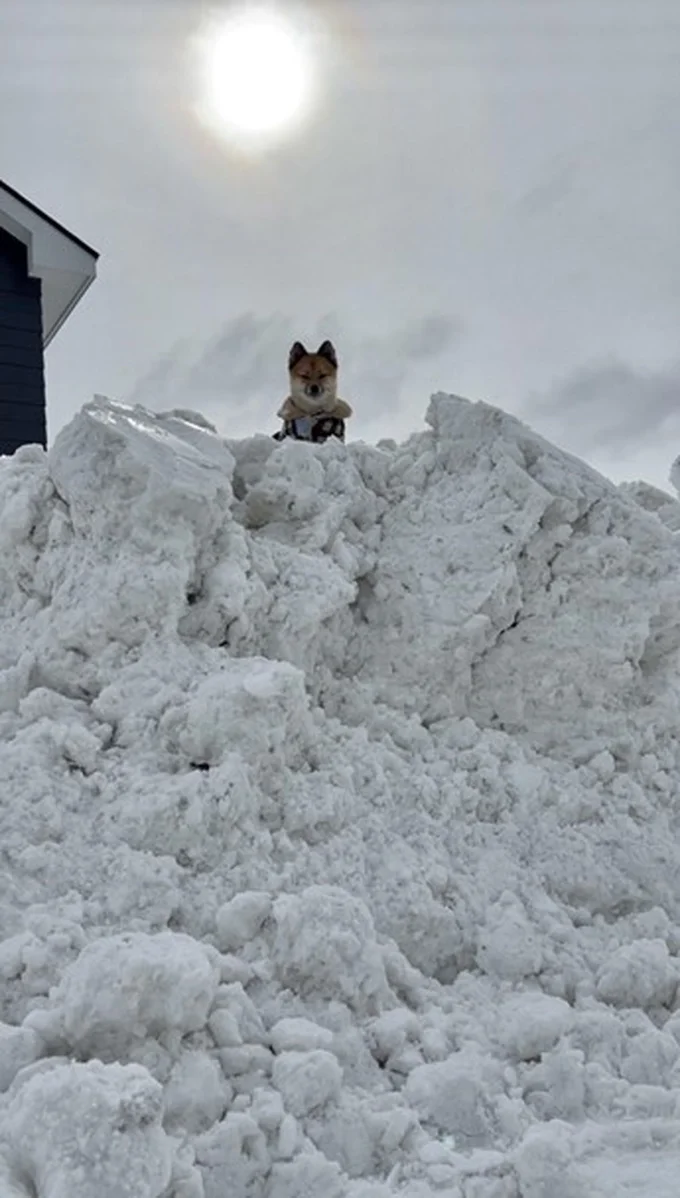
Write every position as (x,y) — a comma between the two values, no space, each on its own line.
(312,428)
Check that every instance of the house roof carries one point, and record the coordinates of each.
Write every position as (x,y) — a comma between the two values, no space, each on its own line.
(65,265)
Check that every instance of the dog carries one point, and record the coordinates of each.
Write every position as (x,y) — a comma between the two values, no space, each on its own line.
(312,410)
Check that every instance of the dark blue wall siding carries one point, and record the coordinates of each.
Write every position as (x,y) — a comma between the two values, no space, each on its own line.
(22,382)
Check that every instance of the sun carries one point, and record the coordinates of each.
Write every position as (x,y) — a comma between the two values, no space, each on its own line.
(257,74)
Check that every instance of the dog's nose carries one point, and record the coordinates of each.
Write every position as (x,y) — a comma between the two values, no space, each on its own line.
(314,390)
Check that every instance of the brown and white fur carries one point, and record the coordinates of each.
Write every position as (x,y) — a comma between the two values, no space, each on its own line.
(313,384)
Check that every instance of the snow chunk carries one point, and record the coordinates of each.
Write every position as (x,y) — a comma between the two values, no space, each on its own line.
(267,1109)
(254,706)
(391,1031)
(325,943)
(508,946)
(233,1153)
(452,1094)
(544,1163)
(307,1080)
(233,998)
(224,1027)
(530,1024)
(308,1176)
(640,974)
(289,1035)
(19,1046)
(246,1058)
(650,1059)
(123,988)
(196,1094)
(80,1130)
(239,920)
(145,497)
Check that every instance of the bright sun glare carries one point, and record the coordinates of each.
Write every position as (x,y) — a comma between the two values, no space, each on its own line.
(257,74)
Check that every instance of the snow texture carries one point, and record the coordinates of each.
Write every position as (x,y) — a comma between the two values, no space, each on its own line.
(339,792)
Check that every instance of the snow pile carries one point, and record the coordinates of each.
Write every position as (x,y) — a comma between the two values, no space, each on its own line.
(338,817)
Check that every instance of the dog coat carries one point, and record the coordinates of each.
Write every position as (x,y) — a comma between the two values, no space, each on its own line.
(312,428)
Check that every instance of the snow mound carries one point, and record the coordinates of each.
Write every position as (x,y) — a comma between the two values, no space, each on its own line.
(338,816)
(128,987)
(86,1129)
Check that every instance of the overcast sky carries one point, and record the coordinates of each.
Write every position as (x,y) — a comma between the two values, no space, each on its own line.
(486,202)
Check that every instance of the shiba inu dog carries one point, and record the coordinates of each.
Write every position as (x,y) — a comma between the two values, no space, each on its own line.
(312,410)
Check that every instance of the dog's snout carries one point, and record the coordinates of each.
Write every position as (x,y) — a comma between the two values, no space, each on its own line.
(314,390)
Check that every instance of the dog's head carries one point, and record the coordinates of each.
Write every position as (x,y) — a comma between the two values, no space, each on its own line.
(313,377)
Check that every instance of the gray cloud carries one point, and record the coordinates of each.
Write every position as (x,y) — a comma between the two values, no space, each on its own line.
(238,378)
(609,406)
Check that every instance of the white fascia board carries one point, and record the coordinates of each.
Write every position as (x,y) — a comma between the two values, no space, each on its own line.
(65,267)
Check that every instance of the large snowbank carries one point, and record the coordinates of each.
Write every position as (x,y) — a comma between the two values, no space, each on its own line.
(338,817)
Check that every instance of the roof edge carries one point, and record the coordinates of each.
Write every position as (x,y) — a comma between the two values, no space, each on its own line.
(49,219)
(51,333)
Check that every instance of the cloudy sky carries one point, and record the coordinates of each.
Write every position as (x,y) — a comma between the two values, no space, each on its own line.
(484,201)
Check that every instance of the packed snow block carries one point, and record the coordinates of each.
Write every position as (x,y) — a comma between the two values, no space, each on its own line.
(452,1094)
(252,706)
(290,487)
(674,474)
(313,491)
(123,989)
(249,1061)
(446,578)
(193,815)
(364,1135)
(309,1174)
(375,1189)
(652,499)
(636,1158)
(307,592)
(232,998)
(391,1033)
(144,504)
(641,974)
(530,1024)
(37,961)
(240,920)
(499,555)
(544,1164)
(196,1094)
(267,1109)
(307,1080)
(651,1059)
(12,1186)
(234,1156)
(299,1035)
(15,682)
(325,944)
(27,500)
(508,945)
(224,1028)
(19,1046)
(115,464)
(79,1130)
(192,427)
(312,521)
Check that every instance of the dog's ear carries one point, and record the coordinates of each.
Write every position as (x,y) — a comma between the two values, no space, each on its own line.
(327,351)
(297,351)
